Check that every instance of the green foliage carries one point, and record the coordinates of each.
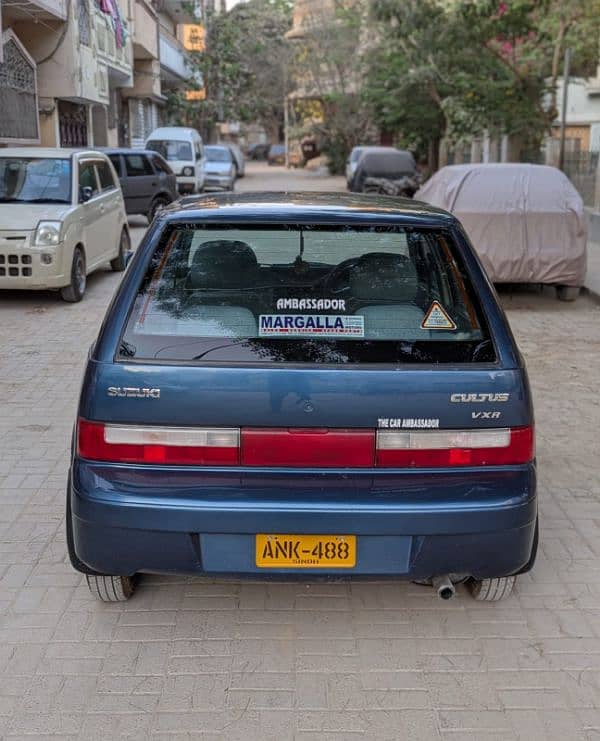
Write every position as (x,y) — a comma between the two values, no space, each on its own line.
(244,66)
(457,69)
(328,68)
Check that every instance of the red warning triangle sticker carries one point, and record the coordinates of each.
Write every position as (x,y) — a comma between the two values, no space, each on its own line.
(436,318)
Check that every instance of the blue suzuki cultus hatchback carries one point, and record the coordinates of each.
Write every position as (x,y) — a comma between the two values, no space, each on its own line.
(304,385)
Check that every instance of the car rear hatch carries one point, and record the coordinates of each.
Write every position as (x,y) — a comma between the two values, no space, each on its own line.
(276,374)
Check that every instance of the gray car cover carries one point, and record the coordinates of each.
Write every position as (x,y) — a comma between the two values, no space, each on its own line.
(526,222)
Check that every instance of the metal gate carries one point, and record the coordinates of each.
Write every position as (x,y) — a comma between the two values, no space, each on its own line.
(73,124)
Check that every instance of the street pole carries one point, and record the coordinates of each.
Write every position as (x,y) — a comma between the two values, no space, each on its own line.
(563,117)
(286,137)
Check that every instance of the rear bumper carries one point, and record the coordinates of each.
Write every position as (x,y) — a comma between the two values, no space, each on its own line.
(218,181)
(410,525)
(187,184)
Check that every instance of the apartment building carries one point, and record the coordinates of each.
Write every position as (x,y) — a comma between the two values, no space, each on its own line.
(88,72)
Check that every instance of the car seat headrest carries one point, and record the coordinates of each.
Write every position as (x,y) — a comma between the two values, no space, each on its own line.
(223,263)
(381,276)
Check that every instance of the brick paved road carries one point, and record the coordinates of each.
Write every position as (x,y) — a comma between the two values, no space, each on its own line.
(195,658)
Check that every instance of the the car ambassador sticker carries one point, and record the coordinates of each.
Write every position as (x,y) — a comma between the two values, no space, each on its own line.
(310,325)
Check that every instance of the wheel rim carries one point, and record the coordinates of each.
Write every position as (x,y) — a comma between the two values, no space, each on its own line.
(80,273)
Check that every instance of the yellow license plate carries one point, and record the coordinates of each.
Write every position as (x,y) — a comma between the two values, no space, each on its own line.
(306,551)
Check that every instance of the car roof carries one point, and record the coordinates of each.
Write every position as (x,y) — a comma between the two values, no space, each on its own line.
(128,150)
(183,131)
(305,207)
(217,146)
(48,152)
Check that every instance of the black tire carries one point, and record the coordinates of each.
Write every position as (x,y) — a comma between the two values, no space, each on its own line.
(111,588)
(120,261)
(567,293)
(492,590)
(75,290)
(157,205)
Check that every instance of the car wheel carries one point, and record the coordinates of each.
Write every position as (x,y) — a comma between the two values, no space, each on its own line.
(492,590)
(157,206)
(111,588)
(120,262)
(76,288)
(567,293)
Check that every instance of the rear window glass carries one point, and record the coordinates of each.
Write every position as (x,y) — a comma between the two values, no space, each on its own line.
(137,165)
(217,154)
(306,294)
(171,150)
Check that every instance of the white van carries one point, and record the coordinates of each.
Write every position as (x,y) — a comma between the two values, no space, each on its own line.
(184,151)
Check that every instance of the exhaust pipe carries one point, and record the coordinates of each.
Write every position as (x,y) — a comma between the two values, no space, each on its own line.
(444,587)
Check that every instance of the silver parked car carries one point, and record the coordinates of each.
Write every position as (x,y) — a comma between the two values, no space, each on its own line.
(238,160)
(220,167)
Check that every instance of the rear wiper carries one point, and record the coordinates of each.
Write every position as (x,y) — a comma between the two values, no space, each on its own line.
(219,347)
(126,348)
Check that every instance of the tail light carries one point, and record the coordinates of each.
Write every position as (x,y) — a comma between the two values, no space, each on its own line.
(449,448)
(168,445)
(307,447)
(325,448)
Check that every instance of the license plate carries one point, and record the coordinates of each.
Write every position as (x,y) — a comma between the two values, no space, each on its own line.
(306,551)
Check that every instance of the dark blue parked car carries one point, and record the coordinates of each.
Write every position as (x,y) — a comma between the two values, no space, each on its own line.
(304,385)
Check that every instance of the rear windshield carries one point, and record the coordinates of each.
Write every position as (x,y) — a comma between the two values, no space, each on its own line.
(304,294)
(217,154)
(172,150)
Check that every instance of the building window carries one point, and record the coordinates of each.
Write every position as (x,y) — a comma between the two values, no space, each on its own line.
(72,123)
(18,94)
(83,21)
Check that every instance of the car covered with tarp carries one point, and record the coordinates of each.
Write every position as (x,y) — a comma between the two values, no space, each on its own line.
(527,222)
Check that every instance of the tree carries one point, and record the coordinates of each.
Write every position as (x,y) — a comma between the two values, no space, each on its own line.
(328,66)
(458,69)
(243,68)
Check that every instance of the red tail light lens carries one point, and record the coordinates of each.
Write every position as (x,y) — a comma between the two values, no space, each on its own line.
(326,448)
(304,448)
(168,445)
(451,448)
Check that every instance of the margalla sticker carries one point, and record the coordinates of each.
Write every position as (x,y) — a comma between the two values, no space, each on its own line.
(310,325)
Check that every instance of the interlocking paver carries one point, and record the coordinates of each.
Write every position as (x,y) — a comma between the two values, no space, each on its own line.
(192,658)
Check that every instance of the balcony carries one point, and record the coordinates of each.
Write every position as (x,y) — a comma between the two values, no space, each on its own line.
(117,60)
(172,59)
(34,11)
(145,37)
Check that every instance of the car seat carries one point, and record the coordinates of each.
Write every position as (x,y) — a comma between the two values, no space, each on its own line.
(386,286)
(220,271)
